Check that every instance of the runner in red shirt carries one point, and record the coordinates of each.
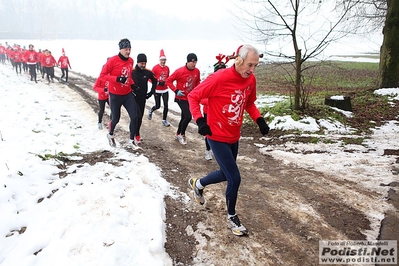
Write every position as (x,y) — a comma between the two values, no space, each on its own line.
(39,66)
(17,58)
(161,72)
(24,60)
(48,63)
(101,87)
(63,63)
(187,78)
(117,71)
(2,54)
(230,92)
(32,60)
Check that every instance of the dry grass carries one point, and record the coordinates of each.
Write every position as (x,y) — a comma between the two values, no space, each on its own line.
(353,79)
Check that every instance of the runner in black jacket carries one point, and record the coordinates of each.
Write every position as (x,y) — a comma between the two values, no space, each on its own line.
(141,76)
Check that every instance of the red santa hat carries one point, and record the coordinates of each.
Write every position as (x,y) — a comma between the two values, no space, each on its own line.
(162,55)
(63,51)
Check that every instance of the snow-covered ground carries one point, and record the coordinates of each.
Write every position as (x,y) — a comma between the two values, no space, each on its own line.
(104,214)
(365,164)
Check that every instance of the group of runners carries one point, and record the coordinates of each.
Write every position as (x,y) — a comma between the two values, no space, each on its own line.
(225,95)
(29,61)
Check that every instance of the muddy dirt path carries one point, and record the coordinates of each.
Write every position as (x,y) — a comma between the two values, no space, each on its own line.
(286,209)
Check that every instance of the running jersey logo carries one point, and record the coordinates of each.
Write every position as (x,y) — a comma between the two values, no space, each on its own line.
(64,63)
(189,85)
(125,73)
(234,110)
(163,76)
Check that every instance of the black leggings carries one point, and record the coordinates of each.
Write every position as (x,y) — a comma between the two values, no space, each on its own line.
(206,139)
(140,113)
(128,101)
(165,98)
(32,71)
(64,72)
(102,103)
(226,156)
(18,64)
(185,116)
(50,72)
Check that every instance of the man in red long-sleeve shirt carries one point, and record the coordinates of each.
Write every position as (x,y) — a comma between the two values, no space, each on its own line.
(187,78)
(230,92)
(17,57)
(117,71)
(32,59)
(63,63)
(161,72)
(48,63)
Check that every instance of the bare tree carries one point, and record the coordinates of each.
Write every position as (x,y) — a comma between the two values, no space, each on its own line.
(307,26)
(374,11)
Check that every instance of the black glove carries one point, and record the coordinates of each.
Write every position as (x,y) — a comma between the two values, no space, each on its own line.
(135,87)
(105,89)
(148,95)
(203,127)
(161,83)
(264,128)
(121,79)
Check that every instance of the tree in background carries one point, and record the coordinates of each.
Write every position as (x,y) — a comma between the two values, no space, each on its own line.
(389,55)
(303,29)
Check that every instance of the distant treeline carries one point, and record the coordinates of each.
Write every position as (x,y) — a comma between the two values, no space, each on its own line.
(4,35)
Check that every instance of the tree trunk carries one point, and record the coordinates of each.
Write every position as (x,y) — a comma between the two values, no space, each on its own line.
(298,73)
(389,54)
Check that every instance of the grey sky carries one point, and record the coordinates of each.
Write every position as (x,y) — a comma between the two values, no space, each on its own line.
(110,19)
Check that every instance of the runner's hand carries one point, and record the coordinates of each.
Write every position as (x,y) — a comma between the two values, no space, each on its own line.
(203,127)
(179,93)
(264,128)
(121,79)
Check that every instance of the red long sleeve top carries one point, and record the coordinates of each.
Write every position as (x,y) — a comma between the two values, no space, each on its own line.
(186,81)
(114,68)
(99,86)
(17,56)
(229,95)
(161,73)
(64,62)
(48,61)
(32,57)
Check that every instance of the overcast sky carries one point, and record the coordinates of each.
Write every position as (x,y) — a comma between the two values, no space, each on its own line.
(213,10)
(210,20)
(110,19)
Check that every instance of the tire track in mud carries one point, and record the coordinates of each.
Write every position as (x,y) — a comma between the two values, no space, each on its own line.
(287,209)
